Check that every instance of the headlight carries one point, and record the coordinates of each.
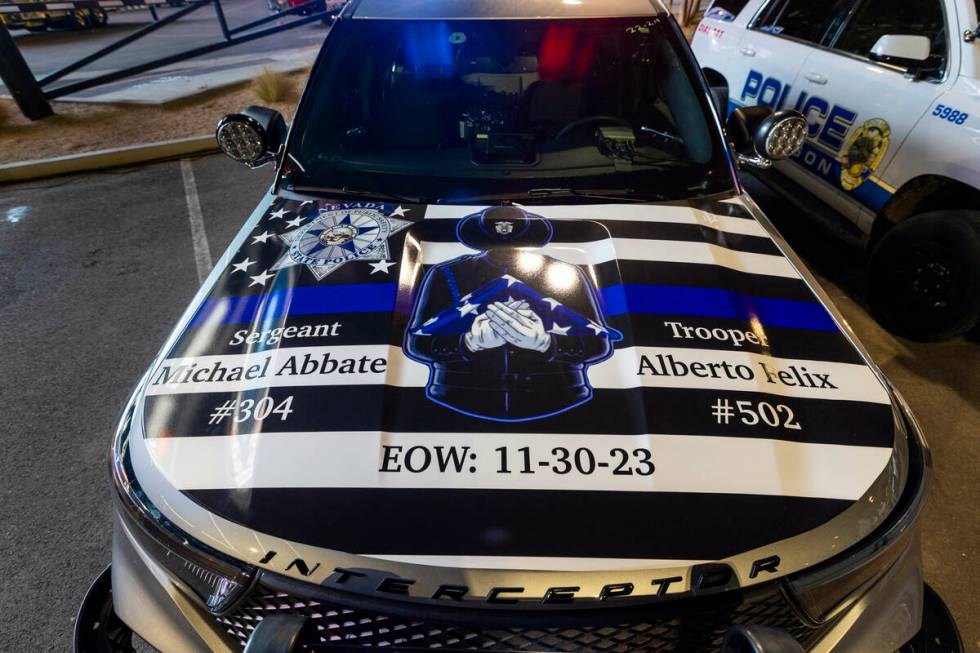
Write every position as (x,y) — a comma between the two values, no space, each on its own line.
(829,589)
(217,580)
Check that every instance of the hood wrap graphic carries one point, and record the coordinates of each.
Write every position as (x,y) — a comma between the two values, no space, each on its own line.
(567,390)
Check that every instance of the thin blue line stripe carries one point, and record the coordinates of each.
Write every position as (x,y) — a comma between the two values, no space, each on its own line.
(715,302)
(617,300)
(303,300)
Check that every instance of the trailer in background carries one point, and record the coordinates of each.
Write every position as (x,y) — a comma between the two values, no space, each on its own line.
(39,16)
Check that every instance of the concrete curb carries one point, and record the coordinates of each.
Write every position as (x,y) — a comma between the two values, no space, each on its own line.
(104,159)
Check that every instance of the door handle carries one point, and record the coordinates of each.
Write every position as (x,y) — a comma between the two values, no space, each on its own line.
(747,50)
(816,78)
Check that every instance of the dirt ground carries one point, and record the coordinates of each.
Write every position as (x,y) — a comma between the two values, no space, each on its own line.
(82,126)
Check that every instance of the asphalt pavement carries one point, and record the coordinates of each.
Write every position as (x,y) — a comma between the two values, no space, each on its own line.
(96,269)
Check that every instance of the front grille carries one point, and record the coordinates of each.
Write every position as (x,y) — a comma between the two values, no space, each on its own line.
(696,632)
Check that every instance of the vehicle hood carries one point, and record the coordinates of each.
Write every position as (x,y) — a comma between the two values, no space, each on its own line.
(488,395)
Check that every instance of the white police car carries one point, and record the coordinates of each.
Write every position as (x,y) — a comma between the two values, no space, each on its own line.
(506,360)
(891,94)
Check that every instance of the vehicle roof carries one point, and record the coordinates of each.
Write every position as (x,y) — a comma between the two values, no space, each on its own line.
(504,9)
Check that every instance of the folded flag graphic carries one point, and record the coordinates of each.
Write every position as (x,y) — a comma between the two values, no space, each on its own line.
(558,319)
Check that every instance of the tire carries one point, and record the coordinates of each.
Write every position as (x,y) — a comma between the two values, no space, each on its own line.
(97,627)
(924,276)
(939,633)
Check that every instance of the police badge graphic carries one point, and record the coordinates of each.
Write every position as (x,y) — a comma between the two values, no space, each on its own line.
(864,152)
(508,333)
(341,233)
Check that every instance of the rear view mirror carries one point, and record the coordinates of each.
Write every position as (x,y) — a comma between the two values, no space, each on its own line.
(761,135)
(253,137)
(904,50)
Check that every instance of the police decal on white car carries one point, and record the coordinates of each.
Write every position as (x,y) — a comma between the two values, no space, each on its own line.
(889,91)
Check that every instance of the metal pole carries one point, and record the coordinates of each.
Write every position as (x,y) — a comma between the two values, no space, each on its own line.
(81,85)
(126,40)
(221,20)
(20,81)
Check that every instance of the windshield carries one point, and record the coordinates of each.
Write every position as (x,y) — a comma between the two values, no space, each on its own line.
(457,110)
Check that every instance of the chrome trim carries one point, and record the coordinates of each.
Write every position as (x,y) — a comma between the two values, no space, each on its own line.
(755,161)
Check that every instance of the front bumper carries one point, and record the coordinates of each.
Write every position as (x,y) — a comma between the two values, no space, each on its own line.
(891,615)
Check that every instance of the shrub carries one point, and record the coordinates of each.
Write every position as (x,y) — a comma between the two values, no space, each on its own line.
(272,86)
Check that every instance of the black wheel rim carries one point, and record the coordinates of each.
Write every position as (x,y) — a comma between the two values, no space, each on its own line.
(926,278)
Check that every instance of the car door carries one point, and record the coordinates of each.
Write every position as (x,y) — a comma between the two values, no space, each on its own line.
(866,109)
(780,38)
(718,36)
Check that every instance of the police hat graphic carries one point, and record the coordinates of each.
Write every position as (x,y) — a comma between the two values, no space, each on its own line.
(504,226)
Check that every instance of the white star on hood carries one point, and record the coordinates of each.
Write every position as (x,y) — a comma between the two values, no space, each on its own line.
(261,279)
(261,238)
(242,266)
(400,212)
(381,266)
(277,215)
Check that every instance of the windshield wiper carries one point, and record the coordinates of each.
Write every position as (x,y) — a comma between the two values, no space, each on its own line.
(360,194)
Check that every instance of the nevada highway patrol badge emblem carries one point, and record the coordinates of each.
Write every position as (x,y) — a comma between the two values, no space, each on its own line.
(339,234)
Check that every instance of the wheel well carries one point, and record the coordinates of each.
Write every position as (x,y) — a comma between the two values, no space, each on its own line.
(922,194)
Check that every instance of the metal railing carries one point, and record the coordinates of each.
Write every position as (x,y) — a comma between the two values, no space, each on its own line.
(32,95)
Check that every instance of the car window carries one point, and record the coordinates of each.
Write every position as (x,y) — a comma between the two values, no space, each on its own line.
(816,21)
(725,9)
(461,108)
(876,18)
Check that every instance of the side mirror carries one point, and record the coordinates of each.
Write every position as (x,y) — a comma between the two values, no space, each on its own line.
(253,137)
(719,89)
(761,135)
(904,50)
